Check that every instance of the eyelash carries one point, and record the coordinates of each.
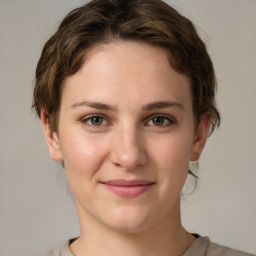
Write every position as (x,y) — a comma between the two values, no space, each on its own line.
(88,120)
(170,121)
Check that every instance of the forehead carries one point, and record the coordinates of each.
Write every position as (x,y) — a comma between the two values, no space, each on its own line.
(127,70)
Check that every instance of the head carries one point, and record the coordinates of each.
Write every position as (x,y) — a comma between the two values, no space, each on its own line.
(152,56)
(104,22)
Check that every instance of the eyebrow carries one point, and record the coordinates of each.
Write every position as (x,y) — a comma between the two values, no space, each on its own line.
(161,104)
(147,107)
(96,105)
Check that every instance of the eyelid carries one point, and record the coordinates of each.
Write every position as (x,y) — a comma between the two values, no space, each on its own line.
(170,119)
(86,118)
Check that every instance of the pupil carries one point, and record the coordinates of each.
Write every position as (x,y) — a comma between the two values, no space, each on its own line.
(96,120)
(158,121)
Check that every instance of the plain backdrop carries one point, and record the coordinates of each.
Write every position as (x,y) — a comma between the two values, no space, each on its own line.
(36,210)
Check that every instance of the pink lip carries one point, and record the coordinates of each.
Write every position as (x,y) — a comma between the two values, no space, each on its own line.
(128,188)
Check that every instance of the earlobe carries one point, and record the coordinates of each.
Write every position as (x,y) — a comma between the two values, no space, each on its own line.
(52,139)
(200,137)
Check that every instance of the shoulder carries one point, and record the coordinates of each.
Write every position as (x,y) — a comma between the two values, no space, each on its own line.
(216,249)
(60,251)
(204,247)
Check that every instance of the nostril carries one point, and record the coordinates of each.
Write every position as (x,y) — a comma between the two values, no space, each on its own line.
(127,153)
(117,164)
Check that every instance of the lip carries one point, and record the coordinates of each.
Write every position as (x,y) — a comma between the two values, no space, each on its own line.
(128,188)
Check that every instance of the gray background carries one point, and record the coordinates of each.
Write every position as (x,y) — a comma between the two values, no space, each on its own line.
(36,210)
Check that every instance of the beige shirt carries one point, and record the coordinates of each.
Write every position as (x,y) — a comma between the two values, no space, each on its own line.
(201,247)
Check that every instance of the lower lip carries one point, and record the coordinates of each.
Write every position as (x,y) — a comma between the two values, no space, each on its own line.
(128,191)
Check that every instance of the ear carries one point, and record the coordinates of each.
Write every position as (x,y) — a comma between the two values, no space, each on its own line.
(200,137)
(52,139)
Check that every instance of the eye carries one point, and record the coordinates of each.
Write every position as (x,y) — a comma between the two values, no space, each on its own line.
(94,120)
(160,120)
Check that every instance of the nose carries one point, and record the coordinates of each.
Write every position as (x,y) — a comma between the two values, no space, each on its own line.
(128,149)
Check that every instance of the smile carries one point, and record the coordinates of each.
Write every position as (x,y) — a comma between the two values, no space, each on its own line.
(128,188)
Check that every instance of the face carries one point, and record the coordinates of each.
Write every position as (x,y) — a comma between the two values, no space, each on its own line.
(126,134)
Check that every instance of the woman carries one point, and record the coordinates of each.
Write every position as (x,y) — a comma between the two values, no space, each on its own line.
(126,93)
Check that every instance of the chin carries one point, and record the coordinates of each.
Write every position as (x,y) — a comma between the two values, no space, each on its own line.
(129,221)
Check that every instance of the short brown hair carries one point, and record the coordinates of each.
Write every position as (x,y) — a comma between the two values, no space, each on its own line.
(101,22)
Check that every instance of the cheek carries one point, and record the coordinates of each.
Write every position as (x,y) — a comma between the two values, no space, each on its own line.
(172,160)
(173,150)
(83,155)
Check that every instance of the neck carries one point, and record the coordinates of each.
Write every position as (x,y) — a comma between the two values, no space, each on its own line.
(165,238)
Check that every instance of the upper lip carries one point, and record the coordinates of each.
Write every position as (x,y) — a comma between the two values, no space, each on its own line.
(127,183)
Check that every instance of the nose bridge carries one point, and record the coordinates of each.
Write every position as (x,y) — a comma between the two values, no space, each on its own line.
(128,151)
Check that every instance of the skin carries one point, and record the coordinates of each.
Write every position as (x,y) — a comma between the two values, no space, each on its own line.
(126,142)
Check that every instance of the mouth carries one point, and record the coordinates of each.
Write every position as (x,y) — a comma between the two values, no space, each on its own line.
(128,188)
